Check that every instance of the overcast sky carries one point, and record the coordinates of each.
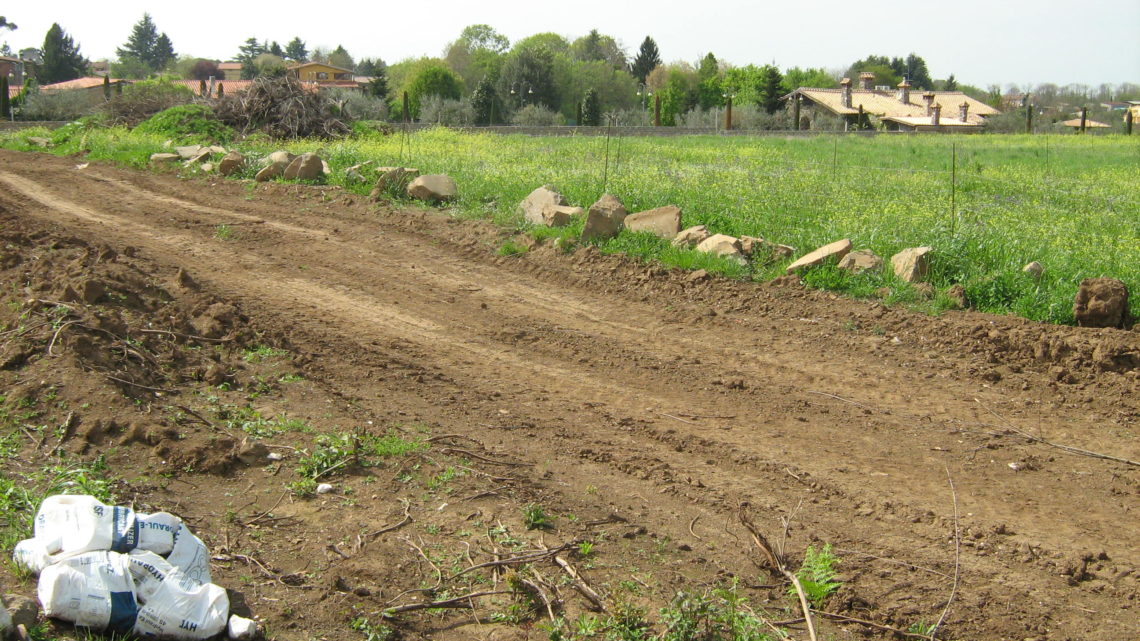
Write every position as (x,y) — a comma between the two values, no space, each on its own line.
(1015,41)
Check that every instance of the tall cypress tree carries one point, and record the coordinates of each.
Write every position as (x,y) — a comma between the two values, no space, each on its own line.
(648,58)
(591,109)
(62,60)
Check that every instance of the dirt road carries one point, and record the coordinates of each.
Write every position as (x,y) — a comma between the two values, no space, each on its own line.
(670,401)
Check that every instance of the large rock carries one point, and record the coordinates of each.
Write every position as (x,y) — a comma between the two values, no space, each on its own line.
(663,222)
(434,188)
(280,156)
(231,163)
(23,610)
(604,219)
(274,170)
(723,245)
(537,201)
(911,264)
(38,141)
(691,236)
(836,250)
(188,152)
(861,261)
(305,167)
(162,159)
(1034,269)
(560,215)
(1101,302)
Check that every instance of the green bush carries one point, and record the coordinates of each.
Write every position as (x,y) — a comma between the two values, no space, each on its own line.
(191,123)
(143,99)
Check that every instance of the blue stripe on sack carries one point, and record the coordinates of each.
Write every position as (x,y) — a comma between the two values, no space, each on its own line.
(124,611)
(125,530)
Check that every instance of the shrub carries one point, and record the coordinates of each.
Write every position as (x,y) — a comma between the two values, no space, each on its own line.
(444,111)
(56,105)
(354,105)
(143,99)
(190,123)
(537,116)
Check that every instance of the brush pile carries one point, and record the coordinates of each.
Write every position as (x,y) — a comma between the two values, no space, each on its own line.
(281,108)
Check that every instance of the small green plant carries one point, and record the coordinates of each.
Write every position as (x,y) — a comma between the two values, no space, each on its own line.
(372,631)
(224,232)
(536,518)
(260,353)
(817,574)
(511,247)
(585,548)
(921,627)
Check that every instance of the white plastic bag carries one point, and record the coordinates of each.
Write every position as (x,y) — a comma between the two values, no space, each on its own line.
(93,590)
(190,555)
(32,555)
(156,531)
(80,523)
(174,605)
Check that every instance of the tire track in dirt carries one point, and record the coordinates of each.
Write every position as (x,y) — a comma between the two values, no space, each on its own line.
(430,325)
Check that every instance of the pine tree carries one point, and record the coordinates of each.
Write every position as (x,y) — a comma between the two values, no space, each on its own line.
(917,73)
(276,49)
(296,50)
(951,84)
(62,60)
(591,109)
(770,88)
(648,59)
(4,24)
(163,53)
(141,43)
(246,55)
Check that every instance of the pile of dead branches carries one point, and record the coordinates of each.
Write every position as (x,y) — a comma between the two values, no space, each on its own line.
(281,108)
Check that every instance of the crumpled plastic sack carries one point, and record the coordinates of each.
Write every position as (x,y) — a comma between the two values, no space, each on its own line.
(70,524)
(92,589)
(103,567)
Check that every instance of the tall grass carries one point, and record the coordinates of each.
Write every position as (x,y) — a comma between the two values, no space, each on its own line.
(986,204)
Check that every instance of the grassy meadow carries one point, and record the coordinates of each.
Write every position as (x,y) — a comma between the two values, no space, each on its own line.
(987,204)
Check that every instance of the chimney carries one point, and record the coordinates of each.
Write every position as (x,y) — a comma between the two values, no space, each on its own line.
(964,111)
(928,100)
(846,84)
(904,92)
(866,81)
(937,115)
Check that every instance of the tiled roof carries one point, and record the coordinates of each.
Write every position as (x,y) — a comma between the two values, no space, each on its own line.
(78,83)
(886,103)
(1076,122)
(229,85)
(229,66)
(924,121)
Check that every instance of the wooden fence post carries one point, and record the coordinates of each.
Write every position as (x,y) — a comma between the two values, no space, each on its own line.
(657,110)
(1084,118)
(407,109)
(728,114)
(1128,122)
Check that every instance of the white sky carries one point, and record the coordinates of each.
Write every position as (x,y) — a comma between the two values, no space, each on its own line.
(1001,42)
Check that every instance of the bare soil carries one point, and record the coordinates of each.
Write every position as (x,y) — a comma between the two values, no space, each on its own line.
(641,409)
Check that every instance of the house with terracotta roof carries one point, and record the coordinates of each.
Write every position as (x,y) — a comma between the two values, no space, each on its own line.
(15,69)
(323,75)
(900,110)
(230,70)
(91,87)
(217,87)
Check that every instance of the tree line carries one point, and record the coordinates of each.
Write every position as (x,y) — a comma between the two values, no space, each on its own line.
(545,76)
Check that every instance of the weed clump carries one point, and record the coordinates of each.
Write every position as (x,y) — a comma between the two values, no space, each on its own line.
(189,123)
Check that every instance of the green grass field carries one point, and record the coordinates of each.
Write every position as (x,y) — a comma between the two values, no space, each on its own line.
(986,204)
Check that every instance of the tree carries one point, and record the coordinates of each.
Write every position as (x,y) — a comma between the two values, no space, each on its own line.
(591,109)
(163,52)
(709,90)
(916,73)
(770,89)
(246,55)
(815,78)
(5,50)
(477,53)
(147,46)
(433,80)
(597,47)
(951,84)
(203,70)
(647,59)
(275,49)
(483,101)
(62,60)
(886,70)
(4,24)
(296,50)
(267,65)
(339,58)
(527,77)
(5,101)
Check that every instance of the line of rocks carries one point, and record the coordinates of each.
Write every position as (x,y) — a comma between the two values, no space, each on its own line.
(1100,302)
